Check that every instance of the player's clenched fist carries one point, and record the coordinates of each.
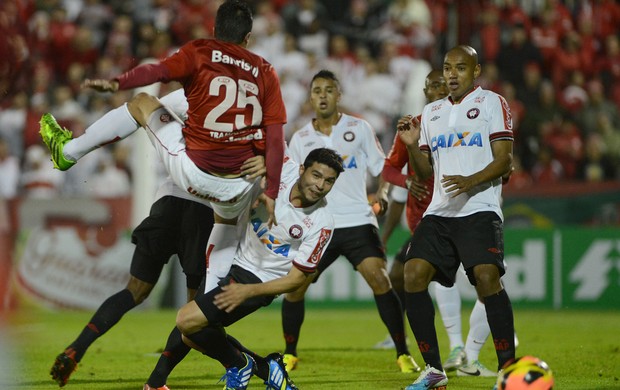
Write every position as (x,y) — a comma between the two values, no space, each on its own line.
(101,85)
(408,130)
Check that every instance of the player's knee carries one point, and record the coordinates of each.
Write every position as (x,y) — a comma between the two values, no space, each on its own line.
(141,106)
(487,276)
(417,275)
(183,320)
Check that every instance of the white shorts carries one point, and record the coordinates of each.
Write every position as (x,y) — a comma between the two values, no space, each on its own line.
(228,197)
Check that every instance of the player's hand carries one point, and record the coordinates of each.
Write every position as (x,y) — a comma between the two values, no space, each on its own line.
(254,167)
(381,200)
(270,205)
(232,296)
(416,188)
(506,176)
(456,185)
(408,129)
(101,85)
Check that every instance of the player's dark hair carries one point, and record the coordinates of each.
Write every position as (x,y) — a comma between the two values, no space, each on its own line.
(325,74)
(233,21)
(327,157)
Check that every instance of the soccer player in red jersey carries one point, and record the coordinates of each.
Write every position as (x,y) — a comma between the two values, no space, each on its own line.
(235,111)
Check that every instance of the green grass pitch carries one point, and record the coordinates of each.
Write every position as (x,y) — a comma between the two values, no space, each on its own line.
(582,348)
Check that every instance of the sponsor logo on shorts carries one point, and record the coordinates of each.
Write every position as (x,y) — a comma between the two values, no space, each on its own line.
(209,197)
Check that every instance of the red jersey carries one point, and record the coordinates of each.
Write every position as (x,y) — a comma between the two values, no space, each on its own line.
(392,173)
(233,94)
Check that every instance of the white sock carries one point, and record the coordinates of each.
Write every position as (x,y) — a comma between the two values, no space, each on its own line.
(220,252)
(478,331)
(113,126)
(449,304)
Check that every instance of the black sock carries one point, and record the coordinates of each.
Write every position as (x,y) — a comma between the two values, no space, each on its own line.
(174,352)
(391,314)
(501,322)
(108,314)
(262,366)
(292,317)
(421,315)
(214,342)
(402,299)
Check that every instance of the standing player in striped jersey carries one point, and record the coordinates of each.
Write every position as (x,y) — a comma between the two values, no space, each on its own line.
(269,261)
(235,112)
(465,141)
(463,358)
(357,235)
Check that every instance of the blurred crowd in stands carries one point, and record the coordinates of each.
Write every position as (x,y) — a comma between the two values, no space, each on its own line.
(556,62)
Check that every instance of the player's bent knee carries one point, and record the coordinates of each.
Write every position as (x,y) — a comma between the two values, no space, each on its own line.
(141,106)
(190,318)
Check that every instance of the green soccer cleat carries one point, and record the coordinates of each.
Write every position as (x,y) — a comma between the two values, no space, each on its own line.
(55,139)
(290,361)
(407,364)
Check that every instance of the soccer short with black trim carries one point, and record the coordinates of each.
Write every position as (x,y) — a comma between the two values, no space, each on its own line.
(220,317)
(355,243)
(174,226)
(447,242)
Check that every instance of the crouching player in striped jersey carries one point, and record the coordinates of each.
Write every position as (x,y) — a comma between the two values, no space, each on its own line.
(268,262)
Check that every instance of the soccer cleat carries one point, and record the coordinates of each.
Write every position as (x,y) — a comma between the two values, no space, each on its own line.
(456,359)
(430,378)
(475,368)
(278,377)
(55,139)
(290,361)
(63,367)
(238,378)
(407,364)
(386,343)
(148,387)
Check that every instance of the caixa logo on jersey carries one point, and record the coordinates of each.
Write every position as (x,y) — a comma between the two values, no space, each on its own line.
(456,139)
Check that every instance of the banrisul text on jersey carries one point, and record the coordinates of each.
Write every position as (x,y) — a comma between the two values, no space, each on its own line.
(218,56)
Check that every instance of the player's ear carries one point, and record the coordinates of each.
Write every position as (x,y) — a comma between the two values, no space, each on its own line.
(301,169)
(477,71)
(246,40)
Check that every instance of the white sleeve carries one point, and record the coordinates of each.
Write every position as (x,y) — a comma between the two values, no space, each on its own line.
(374,151)
(313,246)
(399,194)
(295,149)
(500,118)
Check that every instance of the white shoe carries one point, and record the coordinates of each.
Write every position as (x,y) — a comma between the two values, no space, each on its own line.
(475,368)
(456,359)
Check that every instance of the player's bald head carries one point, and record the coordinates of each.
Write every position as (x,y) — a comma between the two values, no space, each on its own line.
(466,52)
